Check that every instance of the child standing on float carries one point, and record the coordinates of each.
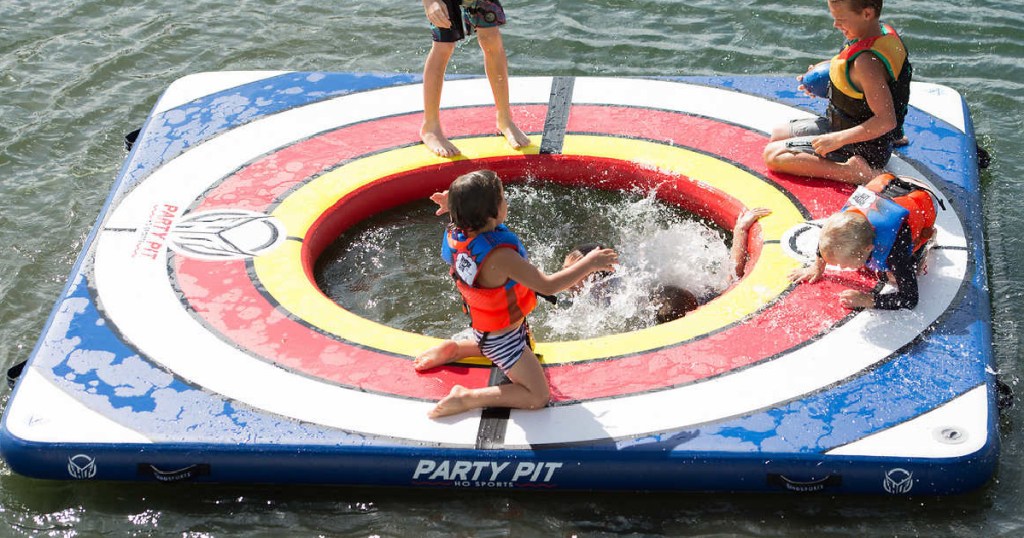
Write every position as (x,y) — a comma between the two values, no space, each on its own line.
(869,90)
(449,22)
(499,287)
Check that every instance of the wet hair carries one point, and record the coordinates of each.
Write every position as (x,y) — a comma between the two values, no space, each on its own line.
(847,234)
(587,247)
(474,198)
(675,302)
(861,5)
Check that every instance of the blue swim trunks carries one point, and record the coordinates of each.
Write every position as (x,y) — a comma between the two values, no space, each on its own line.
(504,350)
(475,14)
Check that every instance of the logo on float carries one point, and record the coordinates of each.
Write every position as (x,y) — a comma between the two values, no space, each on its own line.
(898,481)
(81,466)
(226,234)
(801,241)
(486,474)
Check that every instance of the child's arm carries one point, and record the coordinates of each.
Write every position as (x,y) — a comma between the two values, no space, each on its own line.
(441,199)
(738,253)
(506,263)
(906,295)
(437,13)
(869,74)
(904,273)
(808,273)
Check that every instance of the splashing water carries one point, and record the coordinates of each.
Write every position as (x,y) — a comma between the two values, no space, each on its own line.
(658,245)
(388,268)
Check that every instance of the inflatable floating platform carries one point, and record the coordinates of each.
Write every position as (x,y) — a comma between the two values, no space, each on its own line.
(191,342)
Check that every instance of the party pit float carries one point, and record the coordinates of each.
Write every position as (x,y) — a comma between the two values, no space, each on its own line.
(191,341)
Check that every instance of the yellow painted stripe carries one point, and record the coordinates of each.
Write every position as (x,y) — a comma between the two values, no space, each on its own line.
(281,273)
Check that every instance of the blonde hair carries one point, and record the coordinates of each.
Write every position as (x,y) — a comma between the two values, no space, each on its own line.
(846,235)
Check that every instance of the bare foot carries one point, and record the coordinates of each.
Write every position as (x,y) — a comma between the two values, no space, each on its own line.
(515,138)
(900,142)
(438,355)
(860,169)
(435,140)
(452,404)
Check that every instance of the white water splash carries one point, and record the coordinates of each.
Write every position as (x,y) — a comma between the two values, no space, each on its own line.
(657,247)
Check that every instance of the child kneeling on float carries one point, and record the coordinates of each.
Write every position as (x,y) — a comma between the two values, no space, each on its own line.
(499,287)
(885,226)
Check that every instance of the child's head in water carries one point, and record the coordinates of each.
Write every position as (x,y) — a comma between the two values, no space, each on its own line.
(674,302)
(475,198)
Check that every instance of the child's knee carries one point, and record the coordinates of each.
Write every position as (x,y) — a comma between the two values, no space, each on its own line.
(539,399)
(489,39)
(781,132)
(772,151)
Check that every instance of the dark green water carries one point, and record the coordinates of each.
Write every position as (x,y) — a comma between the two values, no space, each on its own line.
(75,76)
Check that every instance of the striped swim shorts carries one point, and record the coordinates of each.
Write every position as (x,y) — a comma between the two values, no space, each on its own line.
(504,349)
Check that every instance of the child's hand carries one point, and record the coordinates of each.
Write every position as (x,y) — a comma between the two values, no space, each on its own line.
(826,143)
(809,273)
(856,299)
(749,217)
(437,13)
(441,199)
(800,79)
(601,259)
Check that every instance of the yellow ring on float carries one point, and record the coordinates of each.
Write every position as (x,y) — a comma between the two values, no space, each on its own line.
(282,276)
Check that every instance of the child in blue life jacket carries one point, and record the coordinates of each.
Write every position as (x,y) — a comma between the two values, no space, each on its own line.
(499,287)
(885,227)
(868,89)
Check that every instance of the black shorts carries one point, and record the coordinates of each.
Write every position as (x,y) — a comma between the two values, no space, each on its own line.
(468,15)
(876,152)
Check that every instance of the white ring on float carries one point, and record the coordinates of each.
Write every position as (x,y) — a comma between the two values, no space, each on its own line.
(173,338)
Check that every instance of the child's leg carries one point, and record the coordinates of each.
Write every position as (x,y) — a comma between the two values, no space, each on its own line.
(496,67)
(433,81)
(528,390)
(446,352)
(779,158)
(781,132)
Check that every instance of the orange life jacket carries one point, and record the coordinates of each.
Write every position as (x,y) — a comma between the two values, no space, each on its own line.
(888,202)
(489,309)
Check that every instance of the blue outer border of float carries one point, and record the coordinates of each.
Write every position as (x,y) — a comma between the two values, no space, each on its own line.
(659,462)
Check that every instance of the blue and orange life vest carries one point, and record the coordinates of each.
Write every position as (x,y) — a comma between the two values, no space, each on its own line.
(489,309)
(888,202)
(847,104)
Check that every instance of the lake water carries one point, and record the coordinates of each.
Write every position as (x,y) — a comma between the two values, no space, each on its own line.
(76,76)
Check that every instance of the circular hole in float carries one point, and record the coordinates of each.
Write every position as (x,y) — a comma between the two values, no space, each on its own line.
(387,267)
(688,232)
